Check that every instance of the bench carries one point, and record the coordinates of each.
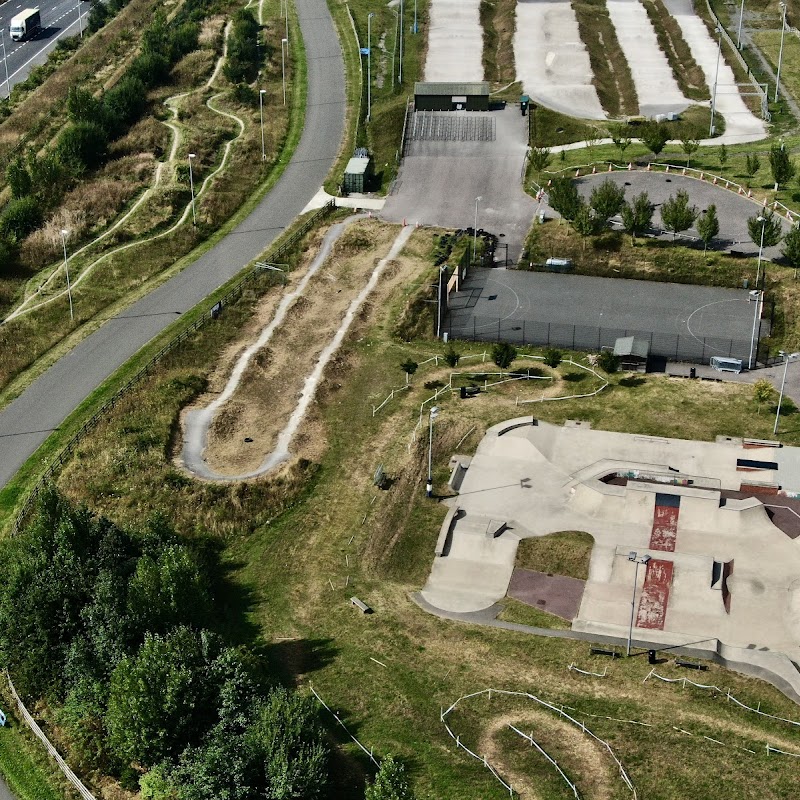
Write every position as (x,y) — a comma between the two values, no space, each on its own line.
(379,478)
(599,651)
(361,604)
(679,662)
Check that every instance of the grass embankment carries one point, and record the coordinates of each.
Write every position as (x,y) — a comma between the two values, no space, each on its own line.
(299,548)
(769,42)
(611,72)
(498,20)
(567,553)
(687,72)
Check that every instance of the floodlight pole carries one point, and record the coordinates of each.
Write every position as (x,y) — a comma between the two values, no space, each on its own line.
(475,230)
(739,35)
(284,41)
(634,556)
(400,72)
(191,187)
(369,64)
(439,304)
(66,270)
(787,357)
(5,62)
(431,417)
(753,337)
(716,79)
(394,48)
(763,221)
(261,93)
(780,52)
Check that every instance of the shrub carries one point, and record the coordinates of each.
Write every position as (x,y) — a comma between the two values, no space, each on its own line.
(503,354)
(451,356)
(552,357)
(125,102)
(19,218)
(245,95)
(82,145)
(243,51)
(607,361)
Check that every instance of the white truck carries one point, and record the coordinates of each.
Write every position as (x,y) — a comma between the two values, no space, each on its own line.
(26,24)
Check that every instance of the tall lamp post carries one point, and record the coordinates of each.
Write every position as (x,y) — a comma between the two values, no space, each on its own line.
(739,35)
(634,556)
(66,270)
(415,17)
(394,49)
(191,187)
(369,64)
(763,220)
(787,357)
(261,93)
(286,12)
(475,229)
(285,42)
(780,52)
(434,412)
(716,79)
(5,61)
(757,297)
(80,17)
(400,72)
(442,269)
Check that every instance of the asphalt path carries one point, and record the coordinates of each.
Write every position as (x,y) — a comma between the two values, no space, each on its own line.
(59,19)
(29,420)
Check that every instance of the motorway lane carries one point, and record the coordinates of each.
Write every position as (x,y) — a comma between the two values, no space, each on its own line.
(27,422)
(59,19)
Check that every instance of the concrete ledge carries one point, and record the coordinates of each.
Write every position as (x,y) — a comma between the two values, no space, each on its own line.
(443,542)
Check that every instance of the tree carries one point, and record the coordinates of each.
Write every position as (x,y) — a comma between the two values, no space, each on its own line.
(19,218)
(763,392)
(390,783)
(752,164)
(585,222)
(765,229)
(18,178)
(451,356)
(540,158)
(606,201)
(552,357)
(654,137)
(242,63)
(723,155)
(791,247)
(503,354)
(781,166)
(638,215)
(690,146)
(563,197)
(708,226)
(608,361)
(82,145)
(409,367)
(676,213)
(620,138)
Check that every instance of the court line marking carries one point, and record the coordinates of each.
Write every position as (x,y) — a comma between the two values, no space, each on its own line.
(714,303)
(508,316)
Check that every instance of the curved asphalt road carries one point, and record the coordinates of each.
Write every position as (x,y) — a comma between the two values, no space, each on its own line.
(30,419)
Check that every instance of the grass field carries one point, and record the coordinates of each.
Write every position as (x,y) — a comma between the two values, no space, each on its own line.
(299,545)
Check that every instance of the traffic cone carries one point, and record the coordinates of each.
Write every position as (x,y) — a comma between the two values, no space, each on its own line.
(594,170)
(630,166)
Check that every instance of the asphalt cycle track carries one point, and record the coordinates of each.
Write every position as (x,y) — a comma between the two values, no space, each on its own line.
(27,422)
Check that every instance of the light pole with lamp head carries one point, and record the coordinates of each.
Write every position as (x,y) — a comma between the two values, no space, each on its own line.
(739,35)
(416,30)
(5,61)
(787,357)
(434,412)
(261,93)
(442,269)
(286,9)
(716,78)
(396,33)
(369,63)
(80,18)
(475,229)
(66,270)
(191,187)
(763,220)
(400,72)
(284,41)
(634,556)
(755,295)
(780,52)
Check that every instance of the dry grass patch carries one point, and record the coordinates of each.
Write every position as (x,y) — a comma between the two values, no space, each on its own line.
(498,20)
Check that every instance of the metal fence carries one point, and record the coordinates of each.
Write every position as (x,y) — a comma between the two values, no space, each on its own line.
(212,312)
(674,347)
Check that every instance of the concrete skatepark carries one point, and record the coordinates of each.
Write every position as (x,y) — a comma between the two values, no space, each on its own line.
(724,574)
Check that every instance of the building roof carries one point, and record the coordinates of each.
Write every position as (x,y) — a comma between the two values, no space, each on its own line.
(457,89)
(357,166)
(629,346)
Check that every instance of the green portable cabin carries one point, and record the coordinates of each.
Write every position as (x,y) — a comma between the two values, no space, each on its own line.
(451,96)
(357,175)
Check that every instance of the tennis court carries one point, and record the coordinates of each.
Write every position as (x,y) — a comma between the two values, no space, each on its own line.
(681,322)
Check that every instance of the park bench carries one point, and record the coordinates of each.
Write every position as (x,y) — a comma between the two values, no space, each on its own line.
(379,478)
(361,604)
(600,651)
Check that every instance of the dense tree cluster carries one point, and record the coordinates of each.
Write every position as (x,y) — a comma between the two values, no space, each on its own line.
(114,629)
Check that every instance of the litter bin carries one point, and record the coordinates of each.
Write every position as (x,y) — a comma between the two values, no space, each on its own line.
(692,372)
(651,657)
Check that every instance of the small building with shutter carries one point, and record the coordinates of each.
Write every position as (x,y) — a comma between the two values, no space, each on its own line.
(451,96)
